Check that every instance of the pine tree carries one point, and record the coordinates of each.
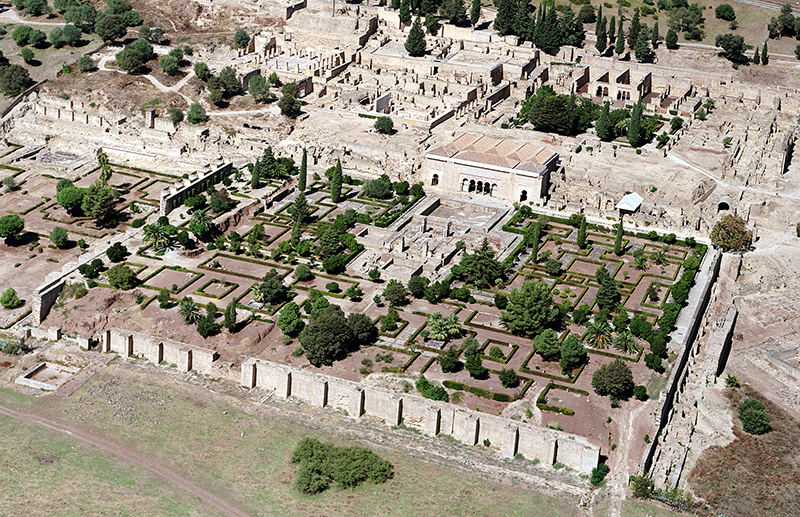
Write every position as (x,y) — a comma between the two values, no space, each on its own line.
(475,12)
(336,178)
(642,48)
(612,27)
(582,230)
(602,37)
(618,240)
(604,124)
(764,55)
(521,20)
(504,21)
(427,7)
(405,11)
(634,28)
(548,36)
(635,125)
(415,43)
(395,4)
(230,316)
(756,57)
(302,176)
(654,36)
(671,39)
(620,48)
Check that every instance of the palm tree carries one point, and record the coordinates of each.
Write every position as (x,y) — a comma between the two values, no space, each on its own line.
(259,292)
(189,311)
(625,342)
(640,262)
(201,222)
(442,328)
(157,235)
(659,257)
(598,335)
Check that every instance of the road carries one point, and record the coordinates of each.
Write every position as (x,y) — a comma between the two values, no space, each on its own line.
(182,483)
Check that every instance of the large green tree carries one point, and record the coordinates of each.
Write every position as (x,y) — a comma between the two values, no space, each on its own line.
(731,234)
(481,268)
(604,130)
(615,379)
(530,309)
(573,354)
(11,226)
(98,201)
(327,337)
(546,344)
(302,175)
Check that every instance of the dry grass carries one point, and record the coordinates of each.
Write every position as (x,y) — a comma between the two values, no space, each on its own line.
(237,456)
(753,475)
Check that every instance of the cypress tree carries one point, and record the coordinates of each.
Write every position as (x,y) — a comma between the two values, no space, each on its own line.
(336,178)
(548,33)
(415,43)
(618,240)
(671,39)
(302,176)
(612,27)
(405,11)
(634,127)
(395,4)
(530,29)
(604,124)
(427,7)
(599,19)
(620,48)
(654,36)
(764,55)
(230,316)
(642,48)
(457,12)
(535,236)
(634,28)
(504,21)
(602,37)
(756,57)
(582,231)
(475,12)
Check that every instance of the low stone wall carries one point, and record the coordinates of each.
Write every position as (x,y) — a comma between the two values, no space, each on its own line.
(186,357)
(509,437)
(778,360)
(197,182)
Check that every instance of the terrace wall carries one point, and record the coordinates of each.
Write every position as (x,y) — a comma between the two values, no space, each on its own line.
(509,437)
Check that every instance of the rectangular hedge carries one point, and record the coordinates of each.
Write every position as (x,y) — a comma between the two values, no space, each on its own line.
(491,395)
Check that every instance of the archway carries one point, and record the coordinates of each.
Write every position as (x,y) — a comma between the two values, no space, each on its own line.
(494,190)
(465,185)
(487,188)
(724,203)
(523,196)
(471,185)
(435,180)
(479,187)
(599,91)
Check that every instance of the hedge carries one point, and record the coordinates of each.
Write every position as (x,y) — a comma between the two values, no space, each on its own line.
(499,397)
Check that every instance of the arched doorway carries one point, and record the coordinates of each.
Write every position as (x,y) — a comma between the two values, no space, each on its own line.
(480,187)
(471,185)
(487,189)
(523,196)
(465,185)
(435,180)
(494,190)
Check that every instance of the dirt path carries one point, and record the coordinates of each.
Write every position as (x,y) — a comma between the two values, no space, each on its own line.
(184,484)
(155,82)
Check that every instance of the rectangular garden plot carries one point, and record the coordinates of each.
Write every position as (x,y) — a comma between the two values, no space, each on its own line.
(171,278)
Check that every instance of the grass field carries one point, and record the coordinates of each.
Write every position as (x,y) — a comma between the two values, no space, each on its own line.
(238,457)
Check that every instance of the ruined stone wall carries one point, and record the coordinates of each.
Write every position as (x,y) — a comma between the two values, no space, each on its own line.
(172,197)
(184,356)
(508,437)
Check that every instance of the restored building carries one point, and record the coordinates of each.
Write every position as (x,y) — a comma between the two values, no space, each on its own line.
(497,167)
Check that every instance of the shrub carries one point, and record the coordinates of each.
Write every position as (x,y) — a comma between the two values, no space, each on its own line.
(508,378)
(176,115)
(59,236)
(501,301)
(599,474)
(332,287)
(615,379)
(85,64)
(9,299)
(122,277)
(754,417)
(323,463)
(640,392)
(732,382)
(138,223)
(384,125)
(117,252)
(26,54)
(431,391)
(303,273)
(725,12)
(377,189)
(196,114)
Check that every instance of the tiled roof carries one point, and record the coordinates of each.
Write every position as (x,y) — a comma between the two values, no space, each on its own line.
(497,152)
